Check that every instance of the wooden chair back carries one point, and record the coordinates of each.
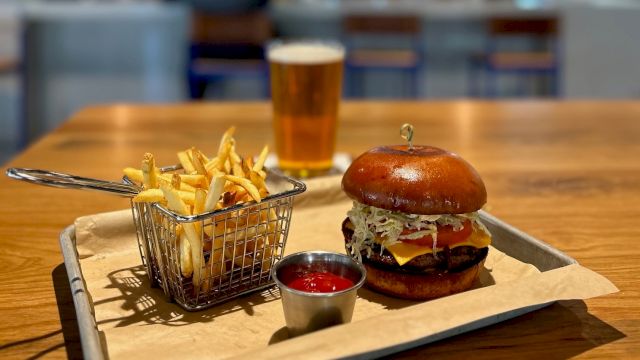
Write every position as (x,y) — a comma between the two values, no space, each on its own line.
(380,24)
(253,28)
(540,27)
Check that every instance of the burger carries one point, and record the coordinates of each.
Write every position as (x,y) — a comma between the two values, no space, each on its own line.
(414,223)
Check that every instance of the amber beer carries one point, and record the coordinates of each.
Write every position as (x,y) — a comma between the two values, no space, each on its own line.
(306,80)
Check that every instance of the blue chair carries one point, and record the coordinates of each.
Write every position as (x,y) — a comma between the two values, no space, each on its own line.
(383,43)
(538,60)
(227,46)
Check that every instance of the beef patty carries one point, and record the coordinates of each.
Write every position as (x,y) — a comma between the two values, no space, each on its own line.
(447,260)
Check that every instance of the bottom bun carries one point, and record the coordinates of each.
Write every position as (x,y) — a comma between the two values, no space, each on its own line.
(418,286)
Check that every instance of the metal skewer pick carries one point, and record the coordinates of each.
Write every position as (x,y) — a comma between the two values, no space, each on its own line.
(406,132)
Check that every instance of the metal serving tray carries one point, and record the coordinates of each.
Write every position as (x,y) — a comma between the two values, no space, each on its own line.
(505,238)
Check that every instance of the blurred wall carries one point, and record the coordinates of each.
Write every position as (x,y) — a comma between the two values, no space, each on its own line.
(603,54)
(9,80)
(78,55)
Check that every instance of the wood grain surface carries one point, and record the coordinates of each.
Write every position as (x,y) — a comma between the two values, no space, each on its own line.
(565,172)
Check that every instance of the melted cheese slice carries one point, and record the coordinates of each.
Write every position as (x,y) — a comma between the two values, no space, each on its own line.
(404,252)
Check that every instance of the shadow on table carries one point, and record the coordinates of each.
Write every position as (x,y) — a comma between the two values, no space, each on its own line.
(68,321)
(141,304)
(67,312)
(559,331)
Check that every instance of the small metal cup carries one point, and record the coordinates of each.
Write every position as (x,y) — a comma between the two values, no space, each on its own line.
(305,312)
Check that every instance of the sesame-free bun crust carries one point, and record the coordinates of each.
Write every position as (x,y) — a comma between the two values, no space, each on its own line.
(421,286)
(424,180)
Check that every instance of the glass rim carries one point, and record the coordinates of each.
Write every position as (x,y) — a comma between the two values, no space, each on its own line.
(327,43)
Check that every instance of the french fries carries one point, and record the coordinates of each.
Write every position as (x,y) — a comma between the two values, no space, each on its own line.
(149,195)
(227,170)
(134,174)
(186,261)
(185,161)
(168,178)
(200,196)
(176,204)
(156,195)
(257,167)
(199,162)
(215,190)
(210,246)
(194,180)
(247,185)
(149,174)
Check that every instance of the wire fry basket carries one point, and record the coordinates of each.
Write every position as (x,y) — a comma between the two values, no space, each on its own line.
(239,243)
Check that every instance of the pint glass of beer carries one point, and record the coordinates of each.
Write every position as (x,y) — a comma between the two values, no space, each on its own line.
(306,82)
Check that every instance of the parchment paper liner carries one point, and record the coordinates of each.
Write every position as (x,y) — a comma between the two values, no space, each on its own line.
(135,320)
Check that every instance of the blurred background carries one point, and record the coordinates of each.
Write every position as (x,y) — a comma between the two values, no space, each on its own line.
(59,56)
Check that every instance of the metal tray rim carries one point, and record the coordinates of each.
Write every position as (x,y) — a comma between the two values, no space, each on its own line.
(89,336)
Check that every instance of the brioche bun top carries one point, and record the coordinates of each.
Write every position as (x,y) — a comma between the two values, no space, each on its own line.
(422,180)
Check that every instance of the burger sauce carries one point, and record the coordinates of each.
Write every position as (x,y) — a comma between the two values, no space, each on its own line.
(320,282)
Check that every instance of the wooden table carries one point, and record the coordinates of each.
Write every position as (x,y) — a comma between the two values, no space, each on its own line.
(567,173)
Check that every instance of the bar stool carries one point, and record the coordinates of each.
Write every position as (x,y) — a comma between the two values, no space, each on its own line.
(226,46)
(372,46)
(540,60)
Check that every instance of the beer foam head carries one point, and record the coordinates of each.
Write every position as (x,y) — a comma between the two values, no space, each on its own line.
(306,53)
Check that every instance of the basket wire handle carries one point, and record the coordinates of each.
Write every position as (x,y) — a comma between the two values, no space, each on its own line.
(68,181)
(406,132)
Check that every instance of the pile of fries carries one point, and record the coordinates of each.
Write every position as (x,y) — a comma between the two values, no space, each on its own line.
(233,239)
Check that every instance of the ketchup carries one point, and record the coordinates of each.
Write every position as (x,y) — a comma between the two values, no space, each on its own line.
(320,282)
